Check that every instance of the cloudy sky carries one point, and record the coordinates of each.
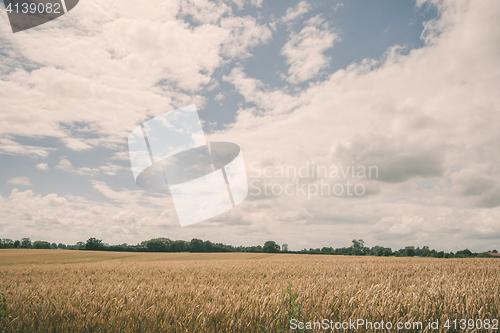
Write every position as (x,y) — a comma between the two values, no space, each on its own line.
(409,87)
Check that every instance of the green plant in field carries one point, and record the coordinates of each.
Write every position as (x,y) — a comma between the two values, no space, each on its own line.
(4,309)
(291,310)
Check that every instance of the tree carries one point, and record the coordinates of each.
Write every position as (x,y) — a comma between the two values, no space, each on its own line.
(284,247)
(41,245)
(197,245)
(61,246)
(378,250)
(6,243)
(54,245)
(255,249)
(80,245)
(271,247)
(387,251)
(357,247)
(327,250)
(159,245)
(17,244)
(466,253)
(180,246)
(94,244)
(439,254)
(208,246)
(25,243)
(409,251)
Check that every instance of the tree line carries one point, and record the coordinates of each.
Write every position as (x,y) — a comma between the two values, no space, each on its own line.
(162,244)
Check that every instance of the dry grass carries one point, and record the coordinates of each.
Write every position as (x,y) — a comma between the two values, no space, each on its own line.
(238,292)
(36,257)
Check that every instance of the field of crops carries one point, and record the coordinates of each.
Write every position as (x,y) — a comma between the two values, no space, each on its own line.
(77,291)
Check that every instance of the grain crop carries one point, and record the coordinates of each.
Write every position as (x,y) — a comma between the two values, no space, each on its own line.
(239,292)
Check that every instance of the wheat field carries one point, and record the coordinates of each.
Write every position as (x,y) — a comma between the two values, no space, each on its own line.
(80,291)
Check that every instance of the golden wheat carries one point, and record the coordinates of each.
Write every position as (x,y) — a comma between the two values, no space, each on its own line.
(243,293)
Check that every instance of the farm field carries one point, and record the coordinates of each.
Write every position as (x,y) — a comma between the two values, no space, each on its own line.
(83,291)
(37,257)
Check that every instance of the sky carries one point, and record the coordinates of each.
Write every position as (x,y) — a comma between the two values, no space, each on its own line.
(408,88)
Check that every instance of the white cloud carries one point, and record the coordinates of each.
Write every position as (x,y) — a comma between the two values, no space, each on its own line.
(25,181)
(42,166)
(108,169)
(241,3)
(96,210)
(125,217)
(75,144)
(305,50)
(245,33)
(131,199)
(65,165)
(121,155)
(256,3)
(275,102)
(337,7)
(296,12)
(219,97)
(204,11)
(10,147)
